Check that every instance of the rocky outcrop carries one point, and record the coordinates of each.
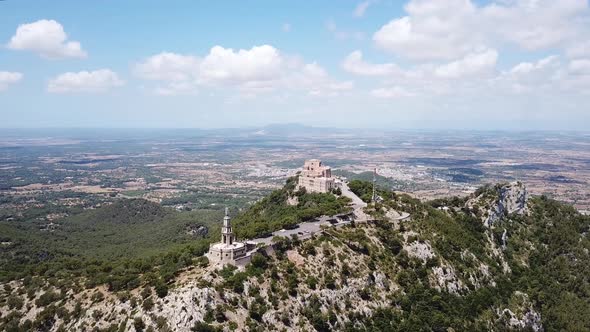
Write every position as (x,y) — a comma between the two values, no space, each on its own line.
(522,315)
(420,250)
(512,198)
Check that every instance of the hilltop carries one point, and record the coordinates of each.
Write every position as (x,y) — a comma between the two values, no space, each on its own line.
(496,260)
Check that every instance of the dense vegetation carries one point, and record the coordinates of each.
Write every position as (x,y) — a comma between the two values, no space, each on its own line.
(116,241)
(558,271)
(364,190)
(274,211)
(548,252)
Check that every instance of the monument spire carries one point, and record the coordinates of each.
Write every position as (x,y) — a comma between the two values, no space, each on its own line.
(227,234)
(228,250)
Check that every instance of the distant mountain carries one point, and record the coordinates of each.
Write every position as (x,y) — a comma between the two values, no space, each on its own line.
(294,129)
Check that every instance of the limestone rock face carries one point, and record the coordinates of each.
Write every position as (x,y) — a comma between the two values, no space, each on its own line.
(512,198)
(522,316)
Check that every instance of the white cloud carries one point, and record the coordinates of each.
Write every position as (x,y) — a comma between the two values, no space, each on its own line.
(257,70)
(392,92)
(224,65)
(95,81)
(355,64)
(168,66)
(580,67)
(315,80)
(578,50)
(9,78)
(361,8)
(527,77)
(433,30)
(178,73)
(47,38)
(526,68)
(450,29)
(536,24)
(474,64)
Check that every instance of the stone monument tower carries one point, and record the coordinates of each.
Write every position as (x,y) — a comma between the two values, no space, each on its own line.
(228,250)
(227,234)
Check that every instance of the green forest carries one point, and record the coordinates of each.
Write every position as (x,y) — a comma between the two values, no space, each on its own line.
(124,239)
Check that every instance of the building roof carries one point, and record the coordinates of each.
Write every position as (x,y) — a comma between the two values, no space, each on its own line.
(223,246)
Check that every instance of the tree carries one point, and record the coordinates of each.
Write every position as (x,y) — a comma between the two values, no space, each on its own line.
(161,289)
(203,327)
(138,324)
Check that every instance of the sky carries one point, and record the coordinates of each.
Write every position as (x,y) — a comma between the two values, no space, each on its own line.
(418,64)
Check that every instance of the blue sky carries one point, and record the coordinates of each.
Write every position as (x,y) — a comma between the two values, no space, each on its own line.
(442,64)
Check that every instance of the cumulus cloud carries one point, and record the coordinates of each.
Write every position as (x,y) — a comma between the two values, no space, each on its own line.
(94,81)
(256,70)
(9,78)
(474,64)
(224,65)
(176,73)
(536,24)
(355,64)
(531,76)
(453,46)
(47,38)
(450,29)
(432,30)
(168,66)
(315,80)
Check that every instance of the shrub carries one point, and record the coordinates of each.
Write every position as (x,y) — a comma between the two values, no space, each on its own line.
(204,327)
(47,298)
(138,324)
(148,304)
(146,292)
(97,297)
(15,302)
(161,289)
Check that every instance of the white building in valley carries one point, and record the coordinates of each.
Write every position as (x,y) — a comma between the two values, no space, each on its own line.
(316,177)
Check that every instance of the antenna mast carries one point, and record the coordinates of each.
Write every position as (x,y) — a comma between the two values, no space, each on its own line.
(374,181)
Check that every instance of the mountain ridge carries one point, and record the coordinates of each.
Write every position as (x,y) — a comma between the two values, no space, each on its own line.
(445,270)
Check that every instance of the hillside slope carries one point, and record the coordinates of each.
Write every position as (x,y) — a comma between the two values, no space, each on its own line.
(129,229)
(447,269)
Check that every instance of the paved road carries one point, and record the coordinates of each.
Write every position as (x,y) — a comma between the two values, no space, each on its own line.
(357,202)
(304,231)
(404,216)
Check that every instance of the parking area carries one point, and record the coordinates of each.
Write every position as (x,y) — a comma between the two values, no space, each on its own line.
(306,229)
